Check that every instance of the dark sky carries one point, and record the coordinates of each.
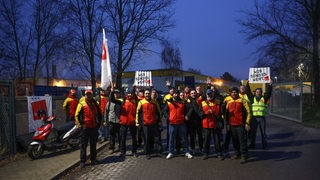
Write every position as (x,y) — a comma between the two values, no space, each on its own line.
(208,37)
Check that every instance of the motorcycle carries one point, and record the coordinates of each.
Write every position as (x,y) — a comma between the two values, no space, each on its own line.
(49,138)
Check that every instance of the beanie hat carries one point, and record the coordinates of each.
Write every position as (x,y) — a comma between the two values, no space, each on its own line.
(234,89)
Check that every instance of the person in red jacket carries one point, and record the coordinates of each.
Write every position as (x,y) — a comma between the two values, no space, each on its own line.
(238,116)
(70,105)
(128,121)
(174,112)
(88,119)
(210,111)
(148,117)
(103,130)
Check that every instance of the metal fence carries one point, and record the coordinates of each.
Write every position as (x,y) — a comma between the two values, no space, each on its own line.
(288,98)
(7,119)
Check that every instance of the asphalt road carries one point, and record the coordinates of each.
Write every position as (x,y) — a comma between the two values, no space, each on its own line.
(294,154)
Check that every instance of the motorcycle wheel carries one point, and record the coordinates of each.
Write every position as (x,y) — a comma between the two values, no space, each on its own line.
(35,151)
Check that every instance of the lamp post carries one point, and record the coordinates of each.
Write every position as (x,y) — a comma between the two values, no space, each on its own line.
(300,74)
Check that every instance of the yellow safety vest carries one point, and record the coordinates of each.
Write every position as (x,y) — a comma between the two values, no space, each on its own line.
(259,107)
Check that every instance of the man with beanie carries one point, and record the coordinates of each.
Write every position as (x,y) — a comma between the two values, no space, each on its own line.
(113,118)
(127,121)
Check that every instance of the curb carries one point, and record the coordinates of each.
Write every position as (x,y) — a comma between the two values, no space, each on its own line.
(64,172)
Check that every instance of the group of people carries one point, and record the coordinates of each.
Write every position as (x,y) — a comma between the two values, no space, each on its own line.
(190,116)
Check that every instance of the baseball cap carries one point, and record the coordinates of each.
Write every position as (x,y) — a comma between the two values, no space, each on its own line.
(88,91)
(209,91)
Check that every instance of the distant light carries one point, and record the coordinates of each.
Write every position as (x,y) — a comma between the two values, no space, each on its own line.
(59,83)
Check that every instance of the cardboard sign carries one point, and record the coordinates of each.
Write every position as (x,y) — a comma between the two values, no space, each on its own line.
(143,78)
(259,75)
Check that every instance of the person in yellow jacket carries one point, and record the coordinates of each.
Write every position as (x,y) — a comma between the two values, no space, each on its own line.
(148,116)
(88,119)
(70,105)
(259,109)
(238,115)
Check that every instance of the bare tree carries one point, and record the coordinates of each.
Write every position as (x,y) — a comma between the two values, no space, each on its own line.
(85,18)
(49,36)
(15,40)
(131,25)
(170,55)
(228,77)
(292,23)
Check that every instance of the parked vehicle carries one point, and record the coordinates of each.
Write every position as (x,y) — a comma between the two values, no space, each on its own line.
(47,137)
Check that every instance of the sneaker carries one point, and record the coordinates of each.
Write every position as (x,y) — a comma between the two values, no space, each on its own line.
(193,151)
(243,160)
(111,151)
(121,155)
(82,165)
(205,157)
(101,140)
(188,155)
(148,157)
(169,156)
(201,152)
(135,155)
(94,162)
(235,156)
(221,158)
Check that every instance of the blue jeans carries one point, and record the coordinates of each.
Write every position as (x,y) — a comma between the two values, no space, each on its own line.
(181,131)
(103,132)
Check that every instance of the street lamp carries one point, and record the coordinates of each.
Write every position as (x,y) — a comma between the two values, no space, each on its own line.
(300,70)
(276,78)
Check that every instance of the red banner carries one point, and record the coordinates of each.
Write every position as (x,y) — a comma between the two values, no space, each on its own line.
(36,106)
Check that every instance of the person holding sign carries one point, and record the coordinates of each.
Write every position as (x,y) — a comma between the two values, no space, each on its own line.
(259,109)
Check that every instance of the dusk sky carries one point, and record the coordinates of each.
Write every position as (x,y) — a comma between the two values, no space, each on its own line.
(209,39)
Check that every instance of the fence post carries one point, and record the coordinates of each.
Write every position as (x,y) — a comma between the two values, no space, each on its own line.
(301,101)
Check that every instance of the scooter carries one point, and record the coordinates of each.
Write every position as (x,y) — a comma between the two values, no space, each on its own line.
(49,138)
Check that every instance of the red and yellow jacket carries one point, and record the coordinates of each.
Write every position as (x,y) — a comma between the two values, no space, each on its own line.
(70,105)
(103,103)
(128,112)
(148,112)
(238,112)
(175,112)
(87,114)
(209,119)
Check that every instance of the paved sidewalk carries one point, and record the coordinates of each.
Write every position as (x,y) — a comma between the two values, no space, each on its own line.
(48,167)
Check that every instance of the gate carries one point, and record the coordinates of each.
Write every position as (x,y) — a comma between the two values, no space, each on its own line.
(7,119)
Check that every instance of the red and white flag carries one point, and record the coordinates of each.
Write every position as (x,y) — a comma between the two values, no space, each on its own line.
(106,75)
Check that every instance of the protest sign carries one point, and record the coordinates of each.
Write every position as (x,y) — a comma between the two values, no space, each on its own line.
(143,78)
(259,75)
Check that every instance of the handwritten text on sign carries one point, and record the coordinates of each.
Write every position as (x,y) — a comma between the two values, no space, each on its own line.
(143,78)
(259,75)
